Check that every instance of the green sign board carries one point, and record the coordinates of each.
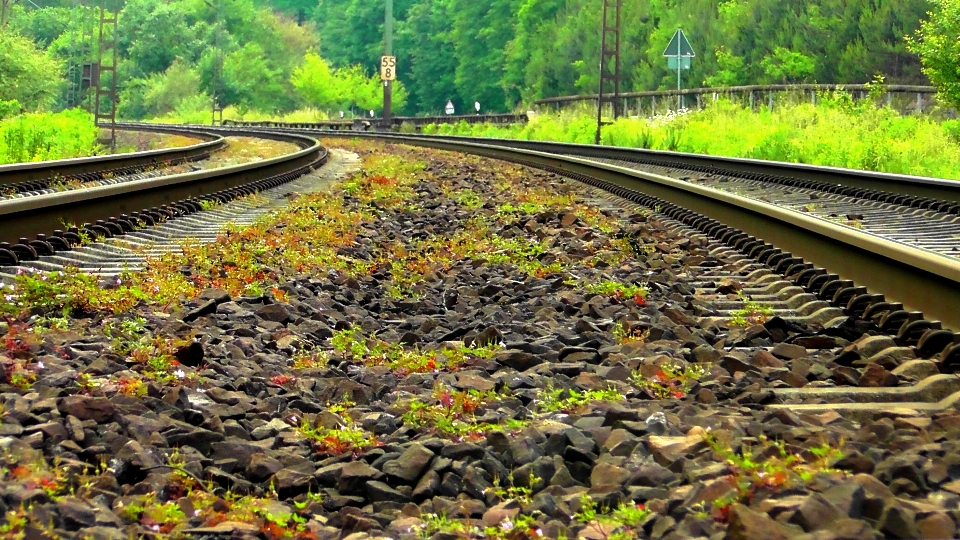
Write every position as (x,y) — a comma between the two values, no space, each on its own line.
(679,46)
(679,53)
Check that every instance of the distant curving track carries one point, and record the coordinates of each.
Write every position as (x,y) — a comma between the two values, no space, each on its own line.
(31,227)
(897,274)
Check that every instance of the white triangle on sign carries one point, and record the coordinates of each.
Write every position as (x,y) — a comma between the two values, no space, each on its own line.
(449,108)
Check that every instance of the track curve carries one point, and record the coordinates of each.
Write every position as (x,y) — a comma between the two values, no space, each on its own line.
(910,292)
(57,220)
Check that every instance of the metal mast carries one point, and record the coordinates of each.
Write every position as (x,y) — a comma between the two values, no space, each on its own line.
(388,51)
(107,42)
(609,58)
(217,107)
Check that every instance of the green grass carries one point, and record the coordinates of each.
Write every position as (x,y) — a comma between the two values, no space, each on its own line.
(835,132)
(46,136)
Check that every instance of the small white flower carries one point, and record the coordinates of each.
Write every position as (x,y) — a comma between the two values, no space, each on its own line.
(507,525)
(539,532)
(156,288)
(155,527)
(20,271)
(40,365)
(196,512)
(179,374)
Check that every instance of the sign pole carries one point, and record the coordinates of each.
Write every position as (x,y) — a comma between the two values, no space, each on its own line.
(388,51)
(679,97)
(682,56)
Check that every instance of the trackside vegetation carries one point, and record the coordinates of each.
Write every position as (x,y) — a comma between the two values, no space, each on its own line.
(836,132)
(45,136)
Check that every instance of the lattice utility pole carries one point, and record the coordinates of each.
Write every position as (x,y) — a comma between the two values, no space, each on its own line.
(77,57)
(4,11)
(89,70)
(609,58)
(217,105)
(388,53)
(107,42)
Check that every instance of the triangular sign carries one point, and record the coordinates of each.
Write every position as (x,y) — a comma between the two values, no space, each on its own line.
(679,46)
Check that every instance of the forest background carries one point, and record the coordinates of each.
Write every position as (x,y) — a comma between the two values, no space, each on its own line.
(319,56)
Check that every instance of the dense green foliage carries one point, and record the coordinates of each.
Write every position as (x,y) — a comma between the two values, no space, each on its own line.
(836,132)
(501,52)
(342,88)
(25,73)
(43,136)
(170,52)
(279,56)
(938,45)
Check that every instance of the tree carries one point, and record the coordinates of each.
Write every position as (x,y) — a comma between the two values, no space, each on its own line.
(250,82)
(787,66)
(343,88)
(481,30)
(424,49)
(730,72)
(154,33)
(27,74)
(937,42)
(314,82)
(161,93)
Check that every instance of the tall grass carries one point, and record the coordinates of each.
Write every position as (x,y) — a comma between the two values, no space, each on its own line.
(46,136)
(836,132)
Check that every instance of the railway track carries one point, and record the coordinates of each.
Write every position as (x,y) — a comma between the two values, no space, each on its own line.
(45,224)
(794,378)
(894,272)
(803,263)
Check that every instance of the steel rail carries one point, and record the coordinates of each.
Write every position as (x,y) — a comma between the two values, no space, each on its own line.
(112,209)
(929,189)
(65,168)
(938,189)
(367,124)
(913,283)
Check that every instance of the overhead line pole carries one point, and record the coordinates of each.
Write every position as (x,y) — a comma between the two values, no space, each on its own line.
(609,56)
(388,51)
(679,62)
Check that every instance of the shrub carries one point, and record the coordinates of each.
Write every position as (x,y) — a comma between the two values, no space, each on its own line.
(47,136)
(835,132)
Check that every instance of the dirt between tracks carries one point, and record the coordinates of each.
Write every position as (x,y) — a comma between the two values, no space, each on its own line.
(442,347)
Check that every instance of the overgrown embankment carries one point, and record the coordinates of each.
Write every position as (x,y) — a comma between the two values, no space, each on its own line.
(46,136)
(836,132)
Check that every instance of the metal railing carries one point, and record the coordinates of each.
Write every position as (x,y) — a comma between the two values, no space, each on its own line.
(919,98)
(395,123)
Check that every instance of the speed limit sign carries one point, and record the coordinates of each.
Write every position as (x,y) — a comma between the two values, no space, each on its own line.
(388,68)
